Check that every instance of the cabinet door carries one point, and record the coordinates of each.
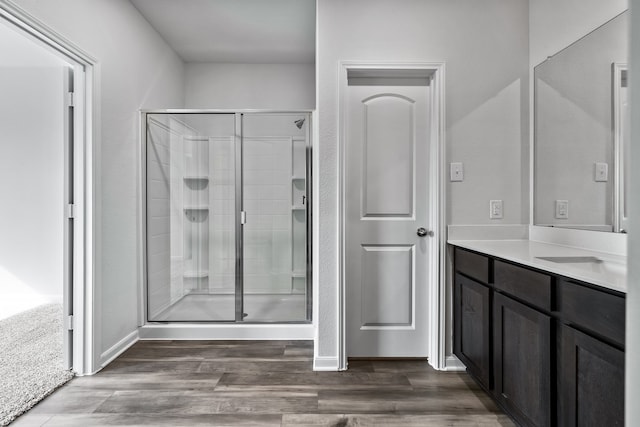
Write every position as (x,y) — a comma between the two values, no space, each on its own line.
(522,358)
(591,380)
(471,327)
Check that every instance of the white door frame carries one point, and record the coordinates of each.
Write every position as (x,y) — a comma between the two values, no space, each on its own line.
(84,173)
(436,209)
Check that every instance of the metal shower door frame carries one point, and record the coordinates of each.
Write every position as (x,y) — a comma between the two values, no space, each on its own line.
(239,211)
(239,214)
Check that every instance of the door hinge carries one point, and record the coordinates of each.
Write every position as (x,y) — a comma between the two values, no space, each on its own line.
(70,99)
(71,211)
(70,322)
(243,217)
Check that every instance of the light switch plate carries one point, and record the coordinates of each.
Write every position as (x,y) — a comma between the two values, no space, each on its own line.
(562,209)
(601,172)
(457,172)
(495,209)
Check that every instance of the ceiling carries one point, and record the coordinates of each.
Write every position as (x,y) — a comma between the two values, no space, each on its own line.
(235,31)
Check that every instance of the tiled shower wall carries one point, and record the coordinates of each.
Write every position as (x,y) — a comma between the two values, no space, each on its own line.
(164,227)
(267,202)
(222,246)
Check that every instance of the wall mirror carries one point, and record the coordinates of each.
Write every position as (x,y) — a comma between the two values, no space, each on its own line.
(581,130)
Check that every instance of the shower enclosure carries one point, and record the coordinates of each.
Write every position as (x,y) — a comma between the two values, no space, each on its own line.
(227,216)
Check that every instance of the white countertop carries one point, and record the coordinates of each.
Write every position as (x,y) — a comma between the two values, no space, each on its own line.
(609,272)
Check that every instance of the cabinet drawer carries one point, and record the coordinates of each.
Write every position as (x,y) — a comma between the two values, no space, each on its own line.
(527,285)
(472,265)
(600,312)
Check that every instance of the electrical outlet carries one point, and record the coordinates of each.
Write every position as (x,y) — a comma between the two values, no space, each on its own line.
(562,209)
(601,172)
(495,209)
(457,172)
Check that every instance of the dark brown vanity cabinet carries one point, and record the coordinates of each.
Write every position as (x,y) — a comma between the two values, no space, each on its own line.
(590,356)
(472,331)
(522,343)
(472,314)
(591,381)
(550,350)
(522,361)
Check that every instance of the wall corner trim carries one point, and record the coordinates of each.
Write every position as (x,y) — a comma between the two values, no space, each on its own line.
(452,363)
(324,363)
(117,349)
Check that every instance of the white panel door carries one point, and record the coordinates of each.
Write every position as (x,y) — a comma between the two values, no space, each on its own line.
(387,181)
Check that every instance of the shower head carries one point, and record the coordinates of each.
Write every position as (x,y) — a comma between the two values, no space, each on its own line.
(299,123)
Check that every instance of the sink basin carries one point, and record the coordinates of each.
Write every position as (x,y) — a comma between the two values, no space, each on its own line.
(571,259)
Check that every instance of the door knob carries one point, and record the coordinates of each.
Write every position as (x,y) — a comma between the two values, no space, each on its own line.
(424,232)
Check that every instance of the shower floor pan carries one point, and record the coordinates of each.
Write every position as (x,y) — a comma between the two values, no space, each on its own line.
(216,308)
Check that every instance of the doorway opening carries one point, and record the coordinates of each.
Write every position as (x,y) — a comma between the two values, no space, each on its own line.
(46,180)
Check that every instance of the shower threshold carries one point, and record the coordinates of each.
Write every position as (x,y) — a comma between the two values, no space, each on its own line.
(203,307)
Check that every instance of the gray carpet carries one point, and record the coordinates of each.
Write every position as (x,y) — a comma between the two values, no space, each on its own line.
(31,365)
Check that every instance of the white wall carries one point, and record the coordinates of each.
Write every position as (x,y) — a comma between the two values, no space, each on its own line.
(633,294)
(32,144)
(485,47)
(136,69)
(555,24)
(253,86)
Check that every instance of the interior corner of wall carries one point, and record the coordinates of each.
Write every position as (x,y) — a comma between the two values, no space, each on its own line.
(325,363)
(118,348)
(452,363)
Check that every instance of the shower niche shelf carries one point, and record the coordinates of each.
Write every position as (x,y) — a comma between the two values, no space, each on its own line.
(195,274)
(196,213)
(196,182)
(196,281)
(298,282)
(196,178)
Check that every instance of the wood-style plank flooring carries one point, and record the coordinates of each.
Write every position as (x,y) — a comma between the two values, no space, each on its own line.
(261,383)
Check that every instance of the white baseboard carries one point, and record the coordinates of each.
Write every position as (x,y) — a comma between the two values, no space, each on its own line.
(117,349)
(227,332)
(323,363)
(452,363)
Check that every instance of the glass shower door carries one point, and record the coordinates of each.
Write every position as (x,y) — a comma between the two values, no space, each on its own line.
(275,202)
(191,217)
